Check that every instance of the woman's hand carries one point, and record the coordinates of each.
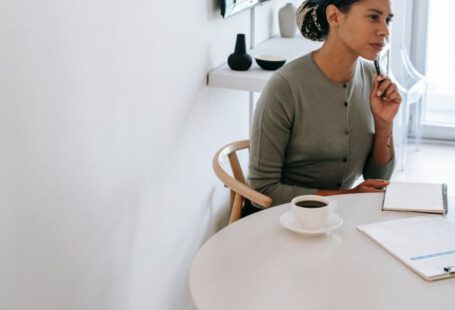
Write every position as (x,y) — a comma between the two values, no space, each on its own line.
(384,101)
(370,186)
(367,186)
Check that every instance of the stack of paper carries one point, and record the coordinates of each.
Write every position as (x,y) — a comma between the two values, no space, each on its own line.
(426,244)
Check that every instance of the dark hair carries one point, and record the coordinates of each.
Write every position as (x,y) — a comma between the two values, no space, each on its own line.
(312,20)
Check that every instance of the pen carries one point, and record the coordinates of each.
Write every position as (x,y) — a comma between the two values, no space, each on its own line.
(378,72)
(376,66)
(450,269)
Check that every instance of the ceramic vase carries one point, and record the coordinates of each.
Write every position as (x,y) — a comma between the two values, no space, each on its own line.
(286,20)
(240,60)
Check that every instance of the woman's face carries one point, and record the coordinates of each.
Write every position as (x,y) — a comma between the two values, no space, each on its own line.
(364,29)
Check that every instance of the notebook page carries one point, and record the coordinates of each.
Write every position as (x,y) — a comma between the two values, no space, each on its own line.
(425,197)
(424,243)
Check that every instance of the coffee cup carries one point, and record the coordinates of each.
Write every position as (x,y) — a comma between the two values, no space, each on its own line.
(312,211)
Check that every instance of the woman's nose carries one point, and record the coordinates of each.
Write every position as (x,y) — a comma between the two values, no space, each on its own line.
(384,30)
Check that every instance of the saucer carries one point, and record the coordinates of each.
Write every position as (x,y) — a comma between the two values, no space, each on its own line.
(288,221)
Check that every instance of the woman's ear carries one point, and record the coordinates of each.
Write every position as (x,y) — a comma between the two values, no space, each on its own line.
(334,16)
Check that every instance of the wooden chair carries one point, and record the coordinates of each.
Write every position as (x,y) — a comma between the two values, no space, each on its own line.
(237,183)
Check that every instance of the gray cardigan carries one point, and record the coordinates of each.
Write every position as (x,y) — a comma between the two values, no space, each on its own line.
(311,133)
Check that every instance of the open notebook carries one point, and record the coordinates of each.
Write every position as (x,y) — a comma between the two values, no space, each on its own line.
(417,197)
(426,244)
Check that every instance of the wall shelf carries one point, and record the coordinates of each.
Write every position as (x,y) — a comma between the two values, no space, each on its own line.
(255,78)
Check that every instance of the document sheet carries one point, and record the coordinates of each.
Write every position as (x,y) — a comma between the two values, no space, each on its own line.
(426,244)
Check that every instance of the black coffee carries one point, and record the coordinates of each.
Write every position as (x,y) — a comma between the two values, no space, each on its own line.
(311,204)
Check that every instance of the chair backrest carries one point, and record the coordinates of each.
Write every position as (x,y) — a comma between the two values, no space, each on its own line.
(236,182)
(411,84)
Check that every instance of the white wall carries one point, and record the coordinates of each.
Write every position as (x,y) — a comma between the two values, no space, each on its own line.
(107,131)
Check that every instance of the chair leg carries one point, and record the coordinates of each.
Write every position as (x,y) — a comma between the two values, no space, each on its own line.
(418,123)
(402,134)
(236,211)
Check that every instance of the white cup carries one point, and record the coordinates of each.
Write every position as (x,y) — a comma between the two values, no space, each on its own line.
(315,217)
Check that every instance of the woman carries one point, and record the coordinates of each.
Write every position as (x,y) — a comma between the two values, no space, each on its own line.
(326,119)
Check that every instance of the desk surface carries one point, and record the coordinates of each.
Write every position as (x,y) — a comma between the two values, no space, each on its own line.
(256,263)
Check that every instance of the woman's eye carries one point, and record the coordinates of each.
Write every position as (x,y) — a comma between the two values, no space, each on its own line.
(374,17)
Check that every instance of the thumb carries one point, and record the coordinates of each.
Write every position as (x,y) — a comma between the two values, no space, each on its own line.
(375,87)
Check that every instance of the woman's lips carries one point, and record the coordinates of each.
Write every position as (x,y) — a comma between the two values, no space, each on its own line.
(377,46)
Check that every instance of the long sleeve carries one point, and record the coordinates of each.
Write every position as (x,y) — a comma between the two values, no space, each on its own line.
(310,133)
(372,170)
(271,132)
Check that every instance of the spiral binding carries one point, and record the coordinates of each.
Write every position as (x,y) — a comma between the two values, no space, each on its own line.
(444,198)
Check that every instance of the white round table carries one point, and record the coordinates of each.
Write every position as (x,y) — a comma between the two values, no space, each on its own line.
(258,264)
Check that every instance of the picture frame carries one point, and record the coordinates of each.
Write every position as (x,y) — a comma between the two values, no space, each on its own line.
(232,7)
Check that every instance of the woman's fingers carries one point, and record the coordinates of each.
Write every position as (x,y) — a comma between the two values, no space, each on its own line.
(395,97)
(371,186)
(383,84)
(376,185)
(384,87)
(388,91)
(376,83)
(376,182)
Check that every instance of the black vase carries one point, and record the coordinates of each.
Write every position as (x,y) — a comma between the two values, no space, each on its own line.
(240,60)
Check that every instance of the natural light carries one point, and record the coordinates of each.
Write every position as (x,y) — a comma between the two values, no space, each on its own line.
(440,65)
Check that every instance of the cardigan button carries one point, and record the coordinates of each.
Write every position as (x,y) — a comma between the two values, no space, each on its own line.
(346,104)
(345,85)
(346,132)
(345,160)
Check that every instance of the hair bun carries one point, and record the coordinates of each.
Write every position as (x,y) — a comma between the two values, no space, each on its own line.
(309,21)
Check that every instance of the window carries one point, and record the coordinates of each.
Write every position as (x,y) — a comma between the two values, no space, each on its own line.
(433,50)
